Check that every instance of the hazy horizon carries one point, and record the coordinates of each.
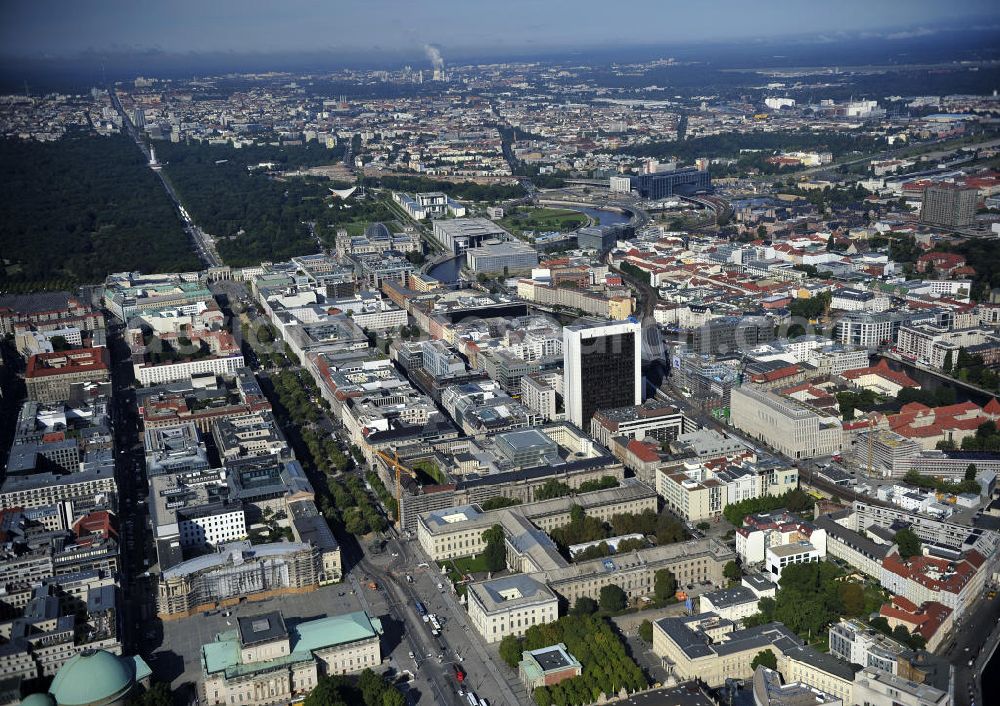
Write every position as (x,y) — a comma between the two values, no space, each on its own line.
(47,29)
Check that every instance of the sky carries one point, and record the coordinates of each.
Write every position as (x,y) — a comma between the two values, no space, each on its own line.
(62,28)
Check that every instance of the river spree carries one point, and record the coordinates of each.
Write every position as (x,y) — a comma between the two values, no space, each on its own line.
(929,381)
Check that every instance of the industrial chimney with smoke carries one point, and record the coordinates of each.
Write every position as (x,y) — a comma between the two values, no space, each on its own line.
(434,54)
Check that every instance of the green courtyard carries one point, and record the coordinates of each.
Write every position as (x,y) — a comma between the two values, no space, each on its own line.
(542,219)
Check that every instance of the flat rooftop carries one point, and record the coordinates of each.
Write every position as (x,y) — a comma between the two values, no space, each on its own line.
(758,582)
(509,591)
(792,549)
(650,409)
(459,227)
(503,248)
(550,658)
(726,597)
(526,439)
(689,634)
(686,694)
(452,516)
(257,629)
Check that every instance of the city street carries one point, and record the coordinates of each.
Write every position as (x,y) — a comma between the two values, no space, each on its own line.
(485,673)
(434,679)
(968,639)
(203,245)
(137,551)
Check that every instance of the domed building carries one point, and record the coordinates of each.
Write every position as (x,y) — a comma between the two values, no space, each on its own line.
(94,678)
(378,231)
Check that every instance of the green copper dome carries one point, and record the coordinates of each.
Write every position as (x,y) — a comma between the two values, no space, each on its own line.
(38,700)
(92,678)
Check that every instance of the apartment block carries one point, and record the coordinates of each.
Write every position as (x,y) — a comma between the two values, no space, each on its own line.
(949,205)
(780,557)
(881,688)
(211,352)
(237,571)
(854,641)
(921,579)
(654,419)
(691,498)
(50,377)
(47,311)
(871,330)
(763,531)
(45,489)
(930,344)
(857,550)
(195,510)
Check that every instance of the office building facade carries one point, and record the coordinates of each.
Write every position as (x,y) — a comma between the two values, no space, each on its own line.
(871,330)
(500,257)
(660,185)
(788,426)
(461,234)
(729,334)
(949,205)
(602,368)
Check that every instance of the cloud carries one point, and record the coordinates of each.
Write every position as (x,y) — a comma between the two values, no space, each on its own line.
(911,34)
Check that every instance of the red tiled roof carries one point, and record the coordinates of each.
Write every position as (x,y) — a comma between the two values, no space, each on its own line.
(882,370)
(796,388)
(926,619)
(904,603)
(773,375)
(96,523)
(936,574)
(917,420)
(65,362)
(938,428)
(643,451)
(944,258)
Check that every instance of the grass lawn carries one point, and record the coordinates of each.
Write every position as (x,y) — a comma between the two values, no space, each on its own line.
(470,564)
(875,596)
(543,219)
(459,568)
(821,644)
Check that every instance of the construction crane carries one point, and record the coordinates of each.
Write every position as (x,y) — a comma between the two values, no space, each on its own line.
(394,464)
